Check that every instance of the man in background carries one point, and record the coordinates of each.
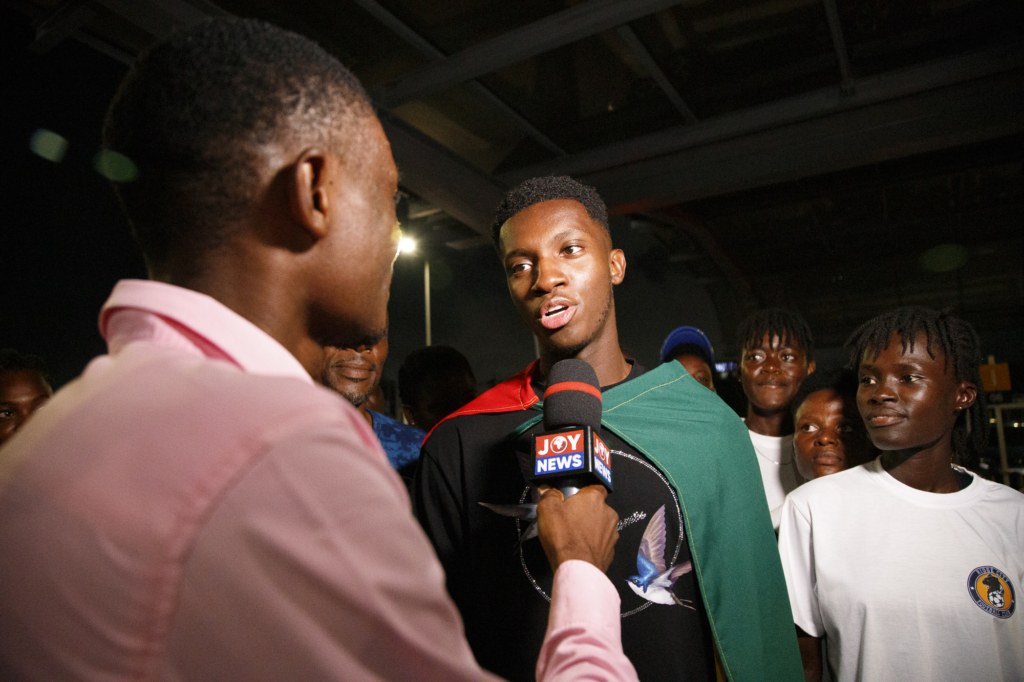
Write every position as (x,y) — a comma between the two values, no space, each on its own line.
(355,373)
(433,382)
(691,348)
(23,390)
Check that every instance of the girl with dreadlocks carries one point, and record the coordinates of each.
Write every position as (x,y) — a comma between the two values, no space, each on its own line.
(776,355)
(908,566)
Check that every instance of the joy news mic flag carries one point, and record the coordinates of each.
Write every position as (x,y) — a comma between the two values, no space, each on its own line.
(569,454)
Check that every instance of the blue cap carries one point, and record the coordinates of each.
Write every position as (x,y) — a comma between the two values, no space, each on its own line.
(682,335)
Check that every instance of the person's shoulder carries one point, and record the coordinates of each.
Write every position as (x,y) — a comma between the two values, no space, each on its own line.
(1000,493)
(832,489)
(382,423)
(497,424)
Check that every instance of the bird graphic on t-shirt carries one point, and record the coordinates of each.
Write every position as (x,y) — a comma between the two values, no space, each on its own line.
(654,582)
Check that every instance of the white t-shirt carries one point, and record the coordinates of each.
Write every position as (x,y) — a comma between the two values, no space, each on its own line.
(778,470)
(904,584)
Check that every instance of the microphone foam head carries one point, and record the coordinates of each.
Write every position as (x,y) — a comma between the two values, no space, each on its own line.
(573,396)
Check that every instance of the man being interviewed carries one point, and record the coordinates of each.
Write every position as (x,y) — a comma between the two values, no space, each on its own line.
(686,482)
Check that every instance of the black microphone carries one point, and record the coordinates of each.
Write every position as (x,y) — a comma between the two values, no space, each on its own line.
(569,454)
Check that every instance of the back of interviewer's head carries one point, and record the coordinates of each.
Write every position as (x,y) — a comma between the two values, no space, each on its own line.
(195,115)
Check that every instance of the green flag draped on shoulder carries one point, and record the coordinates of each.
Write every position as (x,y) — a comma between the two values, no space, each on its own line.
(704,450)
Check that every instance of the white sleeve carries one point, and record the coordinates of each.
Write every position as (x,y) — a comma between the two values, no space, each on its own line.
(796,547)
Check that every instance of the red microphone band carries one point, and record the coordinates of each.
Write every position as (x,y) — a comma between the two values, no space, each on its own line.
(572,386)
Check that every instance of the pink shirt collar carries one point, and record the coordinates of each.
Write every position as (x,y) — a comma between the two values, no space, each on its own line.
(171,315)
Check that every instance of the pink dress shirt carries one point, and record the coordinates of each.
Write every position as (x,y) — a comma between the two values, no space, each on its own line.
(194,507)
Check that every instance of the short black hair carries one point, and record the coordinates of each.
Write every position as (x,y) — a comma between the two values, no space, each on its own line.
(548,188)
(426,365)
(843,382)
(12,361)
(193,113)
(789,327)
(689,349)
(959,344)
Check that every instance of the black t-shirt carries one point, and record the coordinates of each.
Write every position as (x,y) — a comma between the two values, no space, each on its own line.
(503,593)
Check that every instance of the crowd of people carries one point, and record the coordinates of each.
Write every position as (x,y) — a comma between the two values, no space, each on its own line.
(221,496)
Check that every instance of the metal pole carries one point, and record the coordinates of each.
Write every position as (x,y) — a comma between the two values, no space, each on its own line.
(1003,465)
(426,294)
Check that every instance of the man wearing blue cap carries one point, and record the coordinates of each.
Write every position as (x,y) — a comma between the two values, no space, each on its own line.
(692,349)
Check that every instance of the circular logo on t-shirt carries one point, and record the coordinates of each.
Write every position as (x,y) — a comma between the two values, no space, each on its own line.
(640,490)
(992,591)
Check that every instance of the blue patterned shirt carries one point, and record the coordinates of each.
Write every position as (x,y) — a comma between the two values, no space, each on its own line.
(401,442)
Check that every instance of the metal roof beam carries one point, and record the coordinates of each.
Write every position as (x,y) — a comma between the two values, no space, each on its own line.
(839,43)
(881,88)
(418,42)
(655,72)
(440,177)
(62,23)
(542,36)
(930,121)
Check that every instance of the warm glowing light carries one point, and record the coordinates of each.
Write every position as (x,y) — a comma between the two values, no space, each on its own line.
(406,245)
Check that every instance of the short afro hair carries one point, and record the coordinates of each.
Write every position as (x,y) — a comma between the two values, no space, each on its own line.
(13,361)
(789,327)
(193,113)
(952,336)
(843,382)
(549,188)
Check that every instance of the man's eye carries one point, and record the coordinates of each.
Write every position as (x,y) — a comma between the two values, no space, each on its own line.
(908,378)
(519,267)
(808,428)
(572,249)
(6,414)
(788,357)
(866,381)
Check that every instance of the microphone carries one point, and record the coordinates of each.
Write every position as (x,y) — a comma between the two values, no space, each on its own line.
(569,454)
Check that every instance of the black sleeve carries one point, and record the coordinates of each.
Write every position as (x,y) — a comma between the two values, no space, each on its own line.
(439,504)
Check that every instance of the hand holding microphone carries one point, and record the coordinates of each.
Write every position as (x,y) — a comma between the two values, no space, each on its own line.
(574,522)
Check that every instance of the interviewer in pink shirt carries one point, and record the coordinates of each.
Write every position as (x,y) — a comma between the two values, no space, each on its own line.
(194,507)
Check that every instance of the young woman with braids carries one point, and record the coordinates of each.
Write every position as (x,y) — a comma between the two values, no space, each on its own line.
(909,567)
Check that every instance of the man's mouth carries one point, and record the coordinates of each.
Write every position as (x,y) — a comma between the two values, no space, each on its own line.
(354,371)
(556,314)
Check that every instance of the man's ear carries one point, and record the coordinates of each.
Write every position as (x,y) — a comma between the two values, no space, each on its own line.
(617,262)
(311,175)
(811,366)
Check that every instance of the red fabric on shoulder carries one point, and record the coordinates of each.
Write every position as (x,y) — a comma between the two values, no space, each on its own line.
(511,395)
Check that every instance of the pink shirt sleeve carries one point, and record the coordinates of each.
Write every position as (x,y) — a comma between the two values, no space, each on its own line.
(313,567)
(584,636)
